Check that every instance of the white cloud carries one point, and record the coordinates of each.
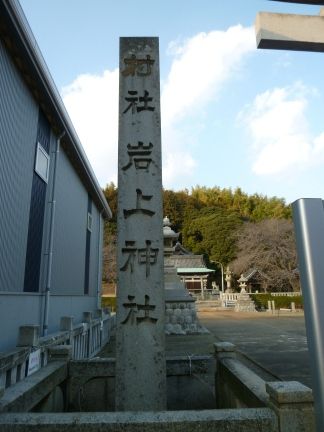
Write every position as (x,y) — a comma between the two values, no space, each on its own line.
(277,123)
(92,103)
(200,68)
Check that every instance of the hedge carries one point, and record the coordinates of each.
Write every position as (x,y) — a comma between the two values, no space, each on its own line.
(261,301)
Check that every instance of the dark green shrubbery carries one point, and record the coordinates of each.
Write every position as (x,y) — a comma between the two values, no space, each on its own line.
(109,302)
(261,301)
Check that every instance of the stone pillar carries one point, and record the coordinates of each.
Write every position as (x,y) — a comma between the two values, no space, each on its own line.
(228,278)
(293,405)
(28,336)
(202,289)
(140,345)
(222,350)
(99,313)
(204,281)
(66,324)
(87,318)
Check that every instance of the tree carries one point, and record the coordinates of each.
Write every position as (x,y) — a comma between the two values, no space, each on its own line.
(109,273)
(111,195)
(176,205)
(268,245)
(211,232)
(208,219)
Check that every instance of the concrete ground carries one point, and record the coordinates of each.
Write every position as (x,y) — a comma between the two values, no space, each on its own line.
(276,342)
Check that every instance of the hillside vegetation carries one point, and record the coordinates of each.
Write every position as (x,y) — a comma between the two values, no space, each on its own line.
(229,226)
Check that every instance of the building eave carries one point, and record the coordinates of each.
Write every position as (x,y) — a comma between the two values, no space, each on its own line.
(194,270)
(22,45)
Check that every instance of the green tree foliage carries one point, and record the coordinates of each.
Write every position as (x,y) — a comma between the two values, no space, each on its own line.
(110,193)
(109,273)
(209,219)
(251,207)
(211,231)
(176,205)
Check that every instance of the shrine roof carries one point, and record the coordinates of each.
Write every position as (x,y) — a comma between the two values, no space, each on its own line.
(249,274)
(186,261)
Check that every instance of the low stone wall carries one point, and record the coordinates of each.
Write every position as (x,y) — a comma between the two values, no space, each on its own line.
(247,420)
(245,400)
(237,386)
(91,385)
(43,389)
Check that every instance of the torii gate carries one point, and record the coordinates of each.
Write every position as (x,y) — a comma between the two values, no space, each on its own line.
(305,33)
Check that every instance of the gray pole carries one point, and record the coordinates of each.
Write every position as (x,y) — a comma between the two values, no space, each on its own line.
(222,271)
(308,216)
(51,239)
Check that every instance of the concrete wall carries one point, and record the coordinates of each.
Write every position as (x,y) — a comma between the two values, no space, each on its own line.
(61,305)
(92,384)
(288,406)
(17,310)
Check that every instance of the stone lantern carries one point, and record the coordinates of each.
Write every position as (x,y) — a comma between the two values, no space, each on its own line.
(228,278)
(170,237)
(242,283)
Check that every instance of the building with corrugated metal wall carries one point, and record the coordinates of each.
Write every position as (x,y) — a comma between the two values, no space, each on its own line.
(51,205)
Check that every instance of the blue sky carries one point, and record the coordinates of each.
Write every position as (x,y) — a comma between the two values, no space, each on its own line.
(232,115)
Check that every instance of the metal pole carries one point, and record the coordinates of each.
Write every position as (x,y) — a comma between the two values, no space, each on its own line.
(222,270)
(308,216)
(51,239)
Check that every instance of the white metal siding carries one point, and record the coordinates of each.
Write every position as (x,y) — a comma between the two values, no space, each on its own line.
(18,127)
(69,231)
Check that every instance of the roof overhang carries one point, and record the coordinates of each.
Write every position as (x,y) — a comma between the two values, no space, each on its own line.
(194,270)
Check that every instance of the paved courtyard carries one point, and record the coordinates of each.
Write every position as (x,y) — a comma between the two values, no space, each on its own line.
(276,342)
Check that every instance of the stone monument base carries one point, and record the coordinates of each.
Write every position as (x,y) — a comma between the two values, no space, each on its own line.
(180,307)
(244,303)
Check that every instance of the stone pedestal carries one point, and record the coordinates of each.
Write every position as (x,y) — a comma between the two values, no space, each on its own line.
(293,403)
(28,336)
(180,308)
(244,303)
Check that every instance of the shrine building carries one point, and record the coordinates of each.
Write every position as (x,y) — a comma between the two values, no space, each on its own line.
(191,268)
